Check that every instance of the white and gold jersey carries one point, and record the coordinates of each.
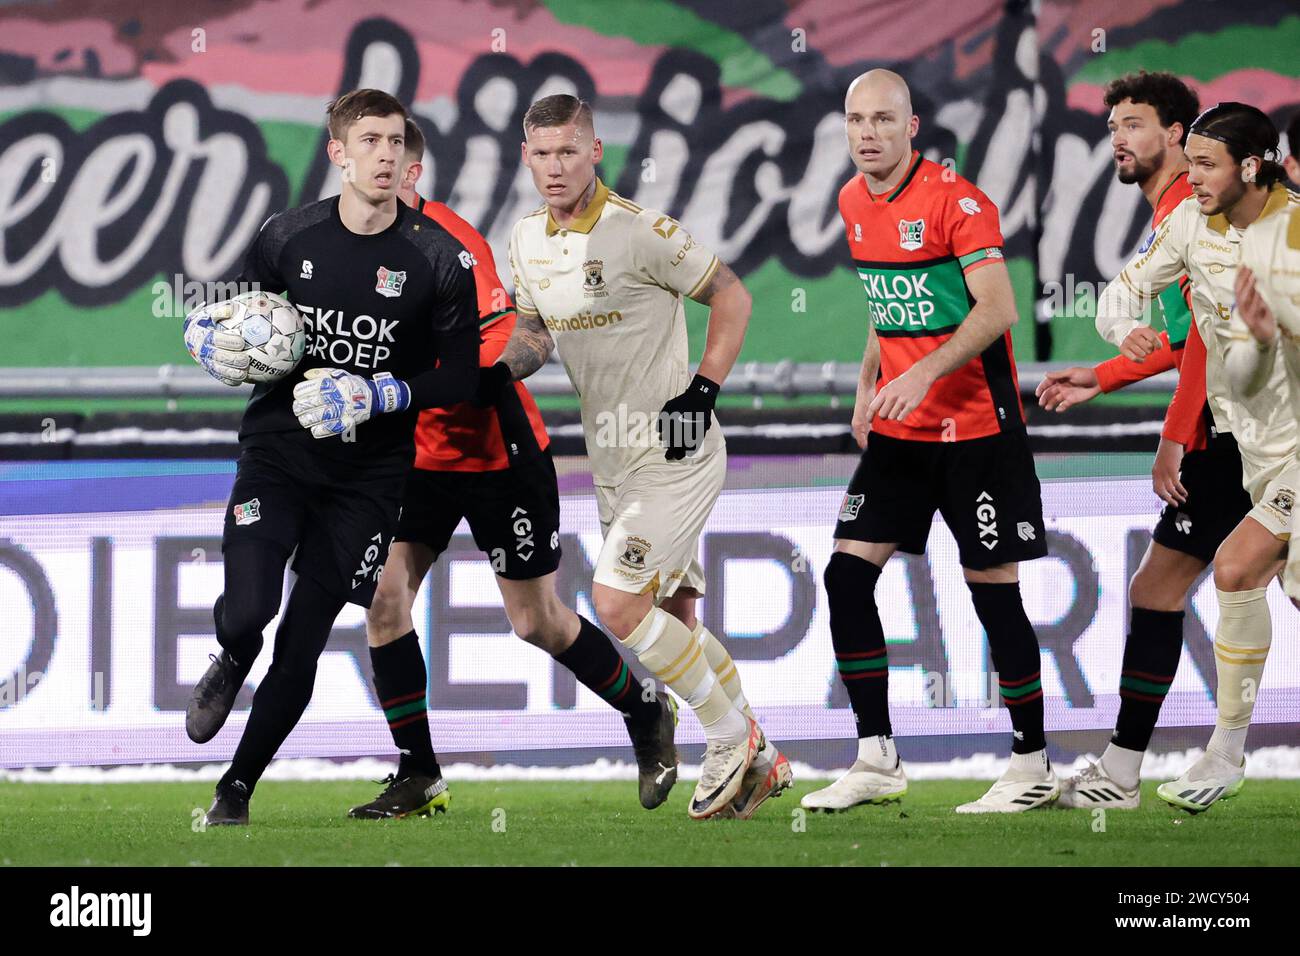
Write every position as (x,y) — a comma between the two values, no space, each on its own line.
(609,288)
(1208,249)
(1271,250)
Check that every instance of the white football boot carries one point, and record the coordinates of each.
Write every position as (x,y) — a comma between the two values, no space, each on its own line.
(723,771)
(1094,787)
(862,783)
(1029,781)
(768,776)
(1203,783)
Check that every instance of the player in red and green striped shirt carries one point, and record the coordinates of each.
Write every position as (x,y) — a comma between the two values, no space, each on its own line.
(939,417)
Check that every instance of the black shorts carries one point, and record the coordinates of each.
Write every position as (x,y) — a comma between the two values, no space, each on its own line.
(339,517)
(1216,501)
(514,514)
(985,488)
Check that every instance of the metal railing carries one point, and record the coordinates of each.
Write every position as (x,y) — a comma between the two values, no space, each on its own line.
(759,380)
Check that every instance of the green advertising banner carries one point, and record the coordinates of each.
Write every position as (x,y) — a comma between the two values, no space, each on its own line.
(143,144)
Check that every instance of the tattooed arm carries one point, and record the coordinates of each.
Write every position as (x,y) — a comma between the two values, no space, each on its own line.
(529,346)
(729,307)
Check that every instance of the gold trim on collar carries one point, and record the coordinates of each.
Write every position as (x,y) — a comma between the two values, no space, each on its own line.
(587,218)
(1277,199)
(1293,230)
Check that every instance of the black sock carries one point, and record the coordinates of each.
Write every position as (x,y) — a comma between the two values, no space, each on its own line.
(253,570)
(401,682)
(1151,653)
(1013,645)
(285,692)
(859,640)
(594,661)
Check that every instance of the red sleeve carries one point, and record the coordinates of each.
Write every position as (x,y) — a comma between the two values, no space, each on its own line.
(844,202)
(974,231)
(494,338)
(1183,420)
(493,300)
(1114,374)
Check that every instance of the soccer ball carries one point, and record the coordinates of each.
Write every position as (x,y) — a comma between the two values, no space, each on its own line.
(272,330)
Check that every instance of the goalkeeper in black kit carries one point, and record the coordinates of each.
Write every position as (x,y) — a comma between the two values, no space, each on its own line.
(391,314)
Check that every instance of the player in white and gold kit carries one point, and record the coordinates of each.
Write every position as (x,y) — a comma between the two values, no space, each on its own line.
(1268,305)
(1233,186)
(602,280)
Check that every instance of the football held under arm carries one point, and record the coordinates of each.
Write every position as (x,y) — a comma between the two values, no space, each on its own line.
(220,353)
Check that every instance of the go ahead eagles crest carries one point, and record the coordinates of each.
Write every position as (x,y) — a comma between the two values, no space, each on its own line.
(911,235)
(634,553)
(594,283)
(389,282)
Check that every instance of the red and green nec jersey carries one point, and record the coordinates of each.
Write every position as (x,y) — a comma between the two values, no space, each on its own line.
(1187,418)
(465,438)
(913,248)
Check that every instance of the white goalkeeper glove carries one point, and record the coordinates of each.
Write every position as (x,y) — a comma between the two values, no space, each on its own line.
(330,401)
(219,352)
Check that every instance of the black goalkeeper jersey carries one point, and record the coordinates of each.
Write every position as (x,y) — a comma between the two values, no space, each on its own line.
(401,301)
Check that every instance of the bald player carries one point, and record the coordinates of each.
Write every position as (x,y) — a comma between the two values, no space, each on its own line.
(939,420)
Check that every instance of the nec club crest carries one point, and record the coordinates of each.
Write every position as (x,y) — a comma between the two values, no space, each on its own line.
(911,234)
(390,282)
(249,512)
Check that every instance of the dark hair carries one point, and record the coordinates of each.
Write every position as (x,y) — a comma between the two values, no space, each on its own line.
(350,107)
(1293,135)
(1174,101)
(414,146)
(557,110)
(1247,131)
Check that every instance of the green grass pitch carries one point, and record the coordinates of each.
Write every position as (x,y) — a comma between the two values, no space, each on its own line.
(594,824)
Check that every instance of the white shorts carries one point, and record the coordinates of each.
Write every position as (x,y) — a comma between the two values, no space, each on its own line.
(652,524)
(1291,574)
(1273,491)
(1273,509)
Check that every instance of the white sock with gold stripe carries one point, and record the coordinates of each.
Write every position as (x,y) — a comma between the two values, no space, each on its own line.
(724,669)
(669,651)
(1241,643)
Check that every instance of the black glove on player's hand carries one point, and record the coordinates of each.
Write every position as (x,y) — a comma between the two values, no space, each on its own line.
(686,419)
